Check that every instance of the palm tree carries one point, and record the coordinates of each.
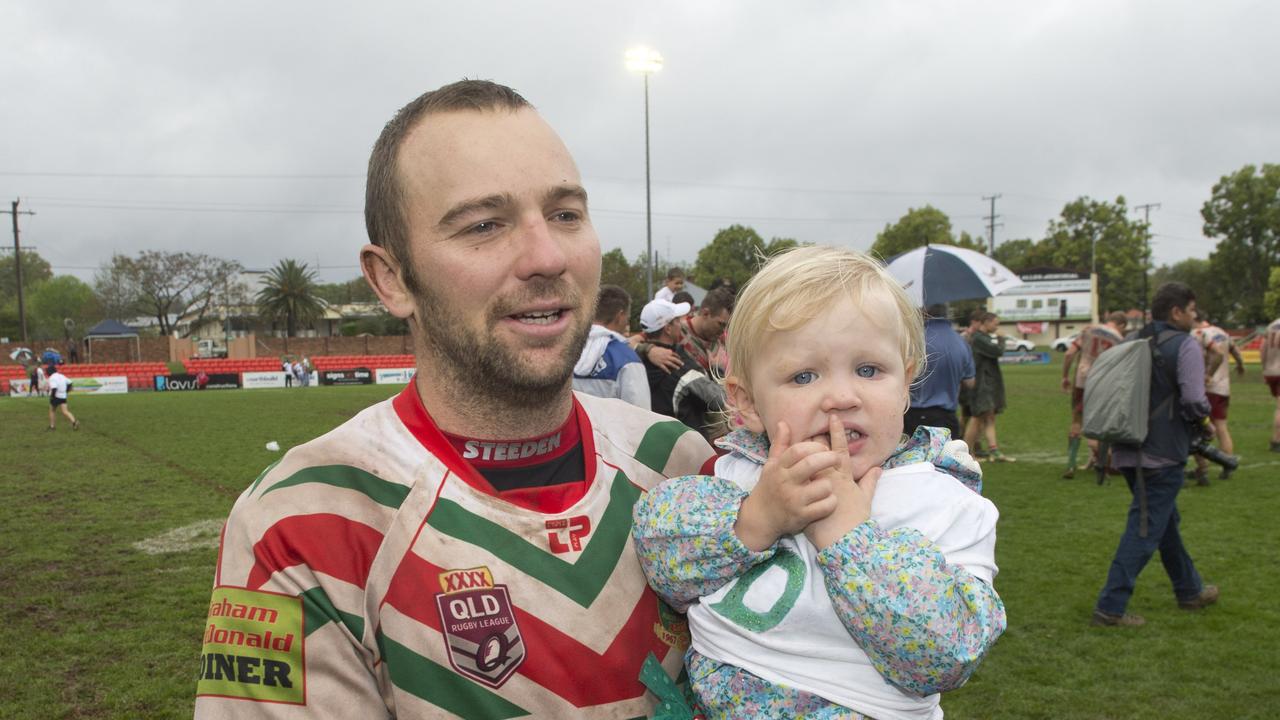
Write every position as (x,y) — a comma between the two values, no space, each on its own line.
(289,293)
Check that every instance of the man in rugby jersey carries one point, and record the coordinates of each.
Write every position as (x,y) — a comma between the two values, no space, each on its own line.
(463,549)
(1271,375)
(1088,345)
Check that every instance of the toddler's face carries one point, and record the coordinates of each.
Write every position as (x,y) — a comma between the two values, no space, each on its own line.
(845,361)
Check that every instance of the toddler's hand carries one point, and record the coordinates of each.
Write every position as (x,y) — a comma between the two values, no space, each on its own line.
(853,495)
(790,494)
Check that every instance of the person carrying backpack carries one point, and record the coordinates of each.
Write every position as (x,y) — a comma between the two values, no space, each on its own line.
(1154,468)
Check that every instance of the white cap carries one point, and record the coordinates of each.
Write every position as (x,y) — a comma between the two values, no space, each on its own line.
(658,313)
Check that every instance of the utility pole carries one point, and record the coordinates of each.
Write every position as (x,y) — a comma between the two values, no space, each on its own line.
(17,265)
(1146,249)
(992,224)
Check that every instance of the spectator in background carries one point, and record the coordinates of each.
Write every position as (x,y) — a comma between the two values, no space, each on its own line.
(1088,345)
(1217,386)
(724,282)
(608,367)
(966,393)
(687,394)
(1154,470)
(948,368)
(674,284)
(59,386)
(1271,376)
(704,333)
(287,367)
(684,296)
(307,370)
(988,398)
(296,369)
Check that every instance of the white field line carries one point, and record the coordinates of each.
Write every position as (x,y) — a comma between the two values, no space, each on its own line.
(199,535)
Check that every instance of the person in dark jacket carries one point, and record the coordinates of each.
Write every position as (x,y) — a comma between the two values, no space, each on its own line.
(687,394)
(1154,470)
(987,398)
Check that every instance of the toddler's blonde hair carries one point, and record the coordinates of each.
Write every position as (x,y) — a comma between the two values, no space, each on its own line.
(795,286)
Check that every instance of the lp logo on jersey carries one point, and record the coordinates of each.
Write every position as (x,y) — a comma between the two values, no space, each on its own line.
(574,528)
(479,626)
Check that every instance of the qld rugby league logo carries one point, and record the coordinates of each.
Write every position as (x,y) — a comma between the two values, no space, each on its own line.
(479,626)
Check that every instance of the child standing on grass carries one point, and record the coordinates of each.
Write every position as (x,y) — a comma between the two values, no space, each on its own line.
(58,387)
(830,569)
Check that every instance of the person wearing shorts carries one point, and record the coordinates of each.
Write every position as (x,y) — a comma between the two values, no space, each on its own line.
(1088,345)
(1271,375)
(1217,385)
(59,385)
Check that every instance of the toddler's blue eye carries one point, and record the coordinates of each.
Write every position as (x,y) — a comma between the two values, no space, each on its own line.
(868,371)
(803,378)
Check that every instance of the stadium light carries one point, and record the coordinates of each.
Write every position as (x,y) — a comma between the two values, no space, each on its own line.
(646,61)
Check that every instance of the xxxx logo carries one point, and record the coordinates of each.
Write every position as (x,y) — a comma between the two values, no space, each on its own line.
(574,528)
(479,626)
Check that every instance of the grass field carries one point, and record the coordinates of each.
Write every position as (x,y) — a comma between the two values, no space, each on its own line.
(104,603)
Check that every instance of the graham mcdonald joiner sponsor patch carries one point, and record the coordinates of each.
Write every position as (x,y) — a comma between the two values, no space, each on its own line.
(253,647)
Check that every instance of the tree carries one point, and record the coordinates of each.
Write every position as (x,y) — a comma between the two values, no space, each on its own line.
(1019,254)
(1214,298)
(164,285)
(1271,302)
(352,291)
(55,301)
(35,270)
(1086,226)
(289,293)
(736,252)
(918,227)
(1244,212)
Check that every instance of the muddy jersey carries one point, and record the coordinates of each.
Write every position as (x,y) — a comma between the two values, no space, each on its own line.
(1271,344)
(1215,341)
(374,573)
(1093,341)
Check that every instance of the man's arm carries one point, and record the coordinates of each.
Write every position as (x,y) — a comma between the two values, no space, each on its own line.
(1067,360)
(1235,354)
(1191,379)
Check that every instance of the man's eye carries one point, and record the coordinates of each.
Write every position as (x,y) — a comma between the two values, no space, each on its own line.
(803,378)
(567,216)
(483,228)
(868,371)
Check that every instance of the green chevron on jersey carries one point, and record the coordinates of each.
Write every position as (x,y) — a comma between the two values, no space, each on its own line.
(441,686)
(318,610)
(658,442)
(582,581)
(344,476)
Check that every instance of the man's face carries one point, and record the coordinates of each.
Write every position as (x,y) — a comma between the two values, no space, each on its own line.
(991,325)
(507,257)
(1183,318)
(710,327)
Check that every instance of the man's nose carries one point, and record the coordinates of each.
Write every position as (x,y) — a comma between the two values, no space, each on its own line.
(541,251)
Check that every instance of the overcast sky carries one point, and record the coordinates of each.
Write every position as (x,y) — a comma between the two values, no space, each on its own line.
(242,129)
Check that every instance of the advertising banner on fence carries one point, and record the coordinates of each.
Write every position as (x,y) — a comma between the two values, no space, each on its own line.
(203,381)
(1025,358)
(80,386)
(254,380)
(394,376)
(354,376)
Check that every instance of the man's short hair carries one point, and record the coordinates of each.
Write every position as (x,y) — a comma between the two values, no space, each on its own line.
(1118,318)
(717,301)
(684,296)
(937,310)
(675,272)
(1169,296)
(612,300)
(977,316)
(384,195)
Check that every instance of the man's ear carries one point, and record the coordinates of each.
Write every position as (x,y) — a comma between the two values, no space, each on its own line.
(743,404)
(382,273)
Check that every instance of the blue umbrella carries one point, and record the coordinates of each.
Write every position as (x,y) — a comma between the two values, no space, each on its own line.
(943,273)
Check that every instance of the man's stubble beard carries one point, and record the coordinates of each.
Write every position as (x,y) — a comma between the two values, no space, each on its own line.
(487,371)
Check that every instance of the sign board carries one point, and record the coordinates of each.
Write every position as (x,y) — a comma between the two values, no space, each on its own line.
(255,380)
(99,385)
(394,376)
(202,381)
(353,376)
